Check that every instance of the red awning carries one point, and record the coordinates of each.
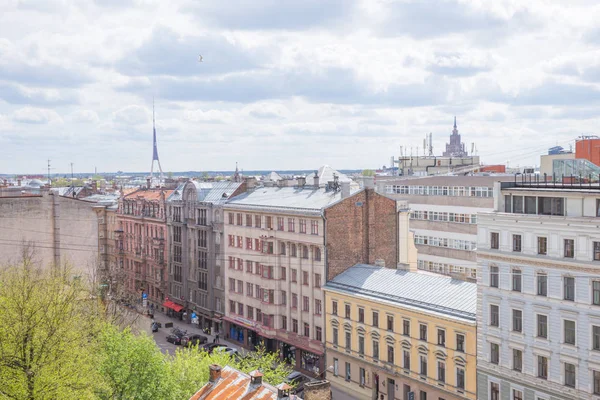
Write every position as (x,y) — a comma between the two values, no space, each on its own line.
(172,306)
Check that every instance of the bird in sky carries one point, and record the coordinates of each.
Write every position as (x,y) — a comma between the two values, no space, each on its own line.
(200,58)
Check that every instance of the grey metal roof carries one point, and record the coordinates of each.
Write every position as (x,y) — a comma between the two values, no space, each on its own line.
(210,192)
(435,293)
(308,198)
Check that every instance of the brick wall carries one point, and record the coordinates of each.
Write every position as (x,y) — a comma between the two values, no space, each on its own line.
(361,229)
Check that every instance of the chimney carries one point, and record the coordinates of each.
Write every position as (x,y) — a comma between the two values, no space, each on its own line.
(256,378)
(95,186)
(345,189)
(148,182)
(214,372)
(316,179)
(18,182)
(368,182)
(301,181)
(283,391)
(317,390)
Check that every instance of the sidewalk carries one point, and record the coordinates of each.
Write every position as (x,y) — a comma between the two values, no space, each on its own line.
(192,329)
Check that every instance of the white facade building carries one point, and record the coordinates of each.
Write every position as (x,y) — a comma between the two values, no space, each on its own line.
(538,308)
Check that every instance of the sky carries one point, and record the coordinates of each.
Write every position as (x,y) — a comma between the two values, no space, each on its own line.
(289,84)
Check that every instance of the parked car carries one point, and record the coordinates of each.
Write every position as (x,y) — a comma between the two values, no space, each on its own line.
(155,326)
(175,336)
(210,347)
(193,340)
(297,380)
(227,350)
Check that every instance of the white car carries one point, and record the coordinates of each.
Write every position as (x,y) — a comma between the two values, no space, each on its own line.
(227,350)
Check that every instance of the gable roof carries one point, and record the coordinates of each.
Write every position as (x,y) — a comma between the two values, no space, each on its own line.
(429,292)
(210,192)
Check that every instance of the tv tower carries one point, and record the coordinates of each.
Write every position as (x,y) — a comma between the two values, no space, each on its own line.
(155,152)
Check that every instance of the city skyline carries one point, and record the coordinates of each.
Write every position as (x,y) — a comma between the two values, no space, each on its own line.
(306,85)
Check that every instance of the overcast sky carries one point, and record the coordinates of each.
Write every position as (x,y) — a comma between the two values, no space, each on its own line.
(290,84)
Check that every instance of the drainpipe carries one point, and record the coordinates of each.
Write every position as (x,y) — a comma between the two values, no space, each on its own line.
(429,166)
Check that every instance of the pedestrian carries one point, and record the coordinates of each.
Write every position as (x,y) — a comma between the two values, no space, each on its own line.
(217,338)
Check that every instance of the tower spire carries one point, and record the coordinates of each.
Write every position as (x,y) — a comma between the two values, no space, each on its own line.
(455,122)
(155,151)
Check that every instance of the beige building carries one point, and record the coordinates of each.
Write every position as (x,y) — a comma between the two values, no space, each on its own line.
(62,230)
(444,218)
(395,334)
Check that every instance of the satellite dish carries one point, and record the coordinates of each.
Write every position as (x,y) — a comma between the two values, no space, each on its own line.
(200,58)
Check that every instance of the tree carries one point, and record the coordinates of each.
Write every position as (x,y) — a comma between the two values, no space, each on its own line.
(368,172)
(47,334)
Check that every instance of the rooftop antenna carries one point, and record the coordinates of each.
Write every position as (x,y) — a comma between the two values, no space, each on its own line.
(430,143)
(72,184)
(49,181)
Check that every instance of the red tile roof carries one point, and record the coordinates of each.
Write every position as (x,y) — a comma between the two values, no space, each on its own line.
(148,194)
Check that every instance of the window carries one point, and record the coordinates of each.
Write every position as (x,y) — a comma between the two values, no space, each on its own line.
(280,223)
(551,206)
(282,273)
(230,218)
(542,243)
(305,252)
(423,332)
(596,379)
(494,391)
(257,221)
(494,353)
(422,395)
(347,310)
(495,240)
(361,315)
(302,225)
(334,307)
(542,326)
(361,376)
(294,300)
(282,248)
(293,250)
(569,331)
(348,340)
(596,251)
(249,312)
(441,371)
(314,227)
(291,225)
(318,308)
(542,285)
(283,297)
(516,280)
(318,334)
(494,315)
(596,293)
(517,360)
(335,336)
(460,378)
(390,354)
(569,375)
(441,336)
(317,254)
(305,303)
(375,350)
(335,366)
(460,342)
(406,327)
(423,365)
(306,330)
(569,288)
(361,345)
(294,275)
(348,371)
(295,326)
(494,276)
(569,248)
(596,337)
(542,370)
(305,278)
(390,323)
(517,395)
(238,218)
(269,222)
(517,320)
(516,242)
(406,359)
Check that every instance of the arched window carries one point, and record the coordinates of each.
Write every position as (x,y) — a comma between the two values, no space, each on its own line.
(317,254)
(293,250)
(305,252)
(282,248)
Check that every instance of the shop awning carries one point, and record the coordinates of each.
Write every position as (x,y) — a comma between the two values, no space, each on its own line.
(173,306)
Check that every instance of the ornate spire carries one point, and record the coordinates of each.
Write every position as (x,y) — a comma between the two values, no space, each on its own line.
(455,122)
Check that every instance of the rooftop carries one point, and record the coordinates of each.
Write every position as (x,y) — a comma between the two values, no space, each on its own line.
(434,293)
(233,385)
(302,199)
(148,194)
(210,192)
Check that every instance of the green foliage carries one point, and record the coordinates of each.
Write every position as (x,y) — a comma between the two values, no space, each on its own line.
(64,182)
(269,364)
(368,172)
(132,366)
(47,347)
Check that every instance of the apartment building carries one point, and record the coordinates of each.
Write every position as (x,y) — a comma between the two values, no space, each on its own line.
(108,260)
(538,297)
(444,218)
(282,244)
(142,245)
(397,334)
(195,225)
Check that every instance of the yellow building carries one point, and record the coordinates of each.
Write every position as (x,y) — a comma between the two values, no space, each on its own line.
(391,333)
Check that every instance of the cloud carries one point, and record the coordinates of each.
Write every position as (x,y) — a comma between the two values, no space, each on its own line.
(132,115)
(209,116)
(457,64)
(167,53)
(85,116)
(556,93)
(31,115)
(18,94)
(274,14)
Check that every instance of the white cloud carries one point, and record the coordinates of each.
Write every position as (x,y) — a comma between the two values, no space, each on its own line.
(132,115)
(31,115)
(85,116)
